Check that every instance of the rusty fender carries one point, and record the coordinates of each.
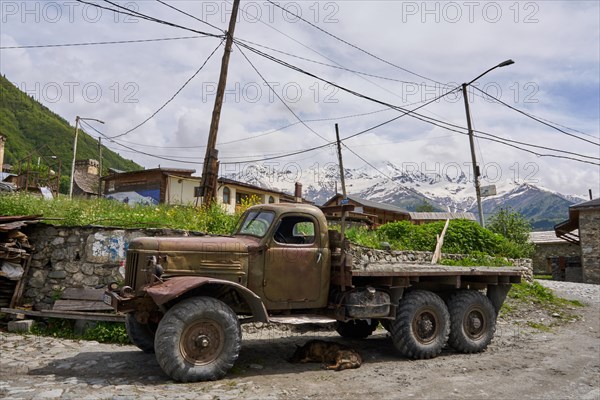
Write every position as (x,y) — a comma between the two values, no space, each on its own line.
(177,286)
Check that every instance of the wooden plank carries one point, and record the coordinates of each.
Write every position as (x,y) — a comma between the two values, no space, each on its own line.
(72,293)
(80,305)
(16,298)
(90,316)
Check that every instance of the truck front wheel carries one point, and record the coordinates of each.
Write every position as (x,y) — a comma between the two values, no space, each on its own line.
(142,335)
(198,339)
(472,321)
(422,324)
(357,329)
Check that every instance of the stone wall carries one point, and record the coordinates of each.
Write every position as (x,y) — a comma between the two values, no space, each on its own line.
(589,236)
(87,257)
(543,251)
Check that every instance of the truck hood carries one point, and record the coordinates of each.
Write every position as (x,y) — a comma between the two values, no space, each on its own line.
(203,244)
(210,256)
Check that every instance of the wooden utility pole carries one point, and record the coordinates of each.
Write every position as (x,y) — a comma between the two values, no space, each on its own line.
(210,167)
(341,163)
(99,167)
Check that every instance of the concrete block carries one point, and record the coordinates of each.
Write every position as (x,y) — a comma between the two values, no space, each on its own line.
(24,325)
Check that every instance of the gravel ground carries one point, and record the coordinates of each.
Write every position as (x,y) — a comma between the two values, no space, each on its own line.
(584,292)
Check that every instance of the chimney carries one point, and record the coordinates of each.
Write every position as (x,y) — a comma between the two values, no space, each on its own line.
(2,140)
(298,192)
(89,166)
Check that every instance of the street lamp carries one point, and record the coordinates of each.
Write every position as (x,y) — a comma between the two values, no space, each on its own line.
(476,172)
(77,119)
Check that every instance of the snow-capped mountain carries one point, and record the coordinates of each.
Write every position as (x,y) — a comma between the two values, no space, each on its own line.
(410,189)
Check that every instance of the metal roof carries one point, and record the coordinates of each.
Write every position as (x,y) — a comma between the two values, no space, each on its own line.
(441,216)
(374,204)
(547,237)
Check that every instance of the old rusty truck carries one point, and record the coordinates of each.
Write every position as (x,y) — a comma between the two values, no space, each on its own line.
(185,298)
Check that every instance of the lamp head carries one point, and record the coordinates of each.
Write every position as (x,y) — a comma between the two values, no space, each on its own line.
(505,63)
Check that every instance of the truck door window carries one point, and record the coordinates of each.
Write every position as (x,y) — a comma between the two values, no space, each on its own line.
(295,230)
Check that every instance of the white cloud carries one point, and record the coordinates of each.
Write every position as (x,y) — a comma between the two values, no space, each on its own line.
(445,41)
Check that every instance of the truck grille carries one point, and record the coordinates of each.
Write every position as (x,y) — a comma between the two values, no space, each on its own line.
(131,269)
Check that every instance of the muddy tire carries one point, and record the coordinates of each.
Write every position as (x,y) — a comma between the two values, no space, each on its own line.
(422,325)
(141,335)
(198,339)
(358,329)
(472,321)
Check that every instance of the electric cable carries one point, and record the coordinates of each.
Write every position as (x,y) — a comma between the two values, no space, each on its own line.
(536,119)
(172,97)
(279,97)
(40,46)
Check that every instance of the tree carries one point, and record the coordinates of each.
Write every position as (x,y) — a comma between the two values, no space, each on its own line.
(515,228)
(424,207)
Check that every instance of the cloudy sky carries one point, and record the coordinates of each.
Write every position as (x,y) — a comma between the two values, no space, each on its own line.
(398,53)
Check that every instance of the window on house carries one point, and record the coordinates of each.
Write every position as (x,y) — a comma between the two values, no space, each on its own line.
(226,195)
(271,199)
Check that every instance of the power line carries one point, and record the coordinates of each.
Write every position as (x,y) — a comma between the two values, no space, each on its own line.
(279,97)
(144,16)
(191,16)
(329,65)
(38,46)
(354,46)
(387,109)
(256,17)
(172,97)
(412,113)
(537,119)
(135,150)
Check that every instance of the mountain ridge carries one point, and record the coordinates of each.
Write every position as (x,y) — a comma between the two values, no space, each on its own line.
(543,208)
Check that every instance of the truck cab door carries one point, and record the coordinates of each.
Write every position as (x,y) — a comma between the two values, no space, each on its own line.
(294,263)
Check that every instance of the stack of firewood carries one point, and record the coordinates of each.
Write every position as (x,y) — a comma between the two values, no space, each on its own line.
(15,255)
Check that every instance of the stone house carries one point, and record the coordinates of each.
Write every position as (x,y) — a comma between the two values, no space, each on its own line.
(585,217)
(550,251)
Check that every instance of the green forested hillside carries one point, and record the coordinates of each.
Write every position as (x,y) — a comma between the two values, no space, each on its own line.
(31,128)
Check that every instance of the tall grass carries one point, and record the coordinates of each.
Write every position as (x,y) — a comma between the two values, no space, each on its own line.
(103,212)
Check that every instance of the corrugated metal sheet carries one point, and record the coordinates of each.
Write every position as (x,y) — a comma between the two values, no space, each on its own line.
(441,216)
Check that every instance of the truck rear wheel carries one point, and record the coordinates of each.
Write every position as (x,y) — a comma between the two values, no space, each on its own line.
(198,339)
(422,324)
(472,321)
(141,335)
(357,329)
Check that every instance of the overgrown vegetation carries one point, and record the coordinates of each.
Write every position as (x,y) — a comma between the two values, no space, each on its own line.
(103,332)
(462,237)
(78,212)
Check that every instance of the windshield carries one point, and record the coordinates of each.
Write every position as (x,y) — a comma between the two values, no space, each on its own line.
(256,223)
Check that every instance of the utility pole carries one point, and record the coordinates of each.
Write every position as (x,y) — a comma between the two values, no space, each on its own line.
(99,166)
(74,157)
(210,167)
(341,163)
(476,171)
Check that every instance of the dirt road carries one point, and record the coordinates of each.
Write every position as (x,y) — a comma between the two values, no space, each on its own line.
(521,363)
